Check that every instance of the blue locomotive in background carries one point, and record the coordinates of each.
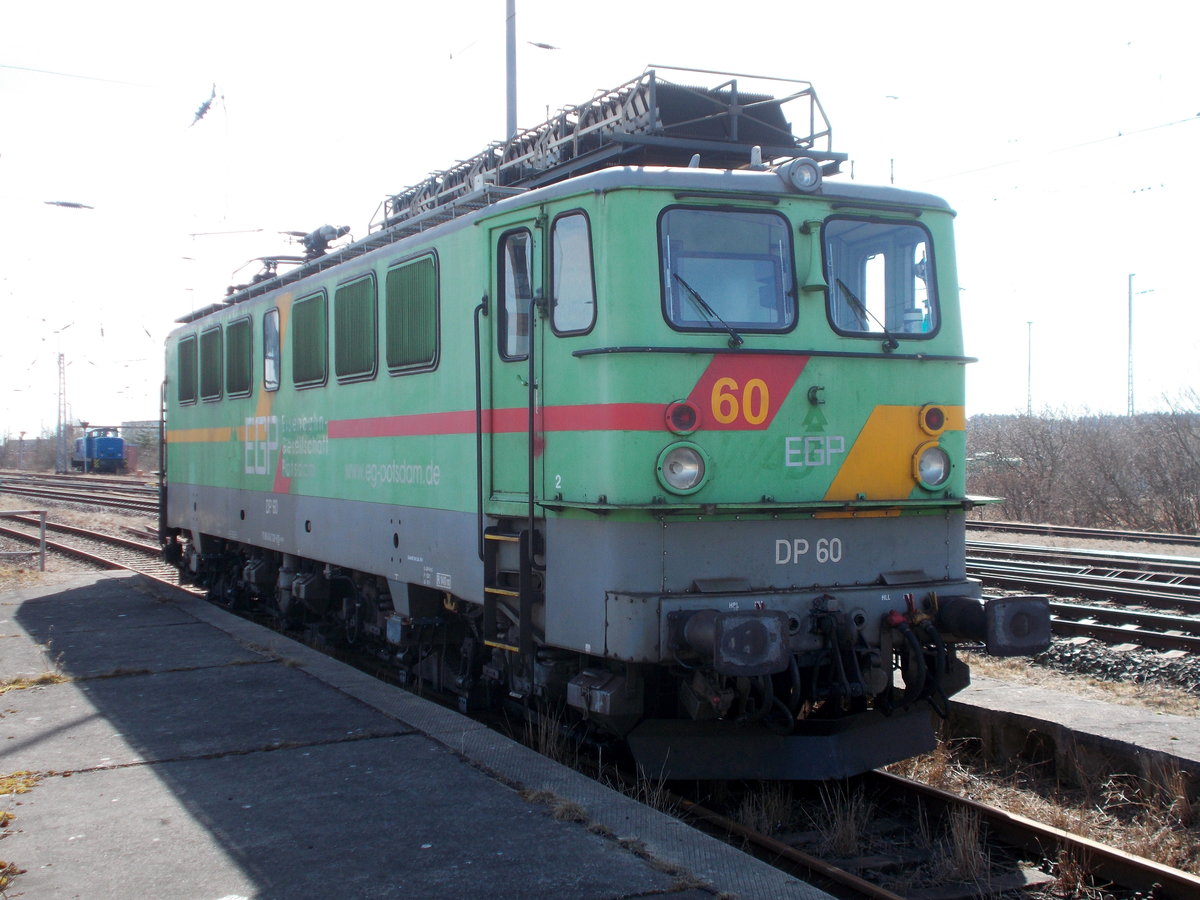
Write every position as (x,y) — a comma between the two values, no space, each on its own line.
(101,449)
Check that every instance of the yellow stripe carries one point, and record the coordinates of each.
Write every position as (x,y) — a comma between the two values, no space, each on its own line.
(857,514)
(879,464)
(200,435)
(956,418)
(509,647)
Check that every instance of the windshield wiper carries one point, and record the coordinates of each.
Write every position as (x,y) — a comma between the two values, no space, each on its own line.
(735,339)
(859,307)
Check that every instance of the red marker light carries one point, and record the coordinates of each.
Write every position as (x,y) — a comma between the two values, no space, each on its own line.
(933,419)
(682,417)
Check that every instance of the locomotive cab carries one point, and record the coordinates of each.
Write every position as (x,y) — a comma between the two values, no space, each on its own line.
(751,451)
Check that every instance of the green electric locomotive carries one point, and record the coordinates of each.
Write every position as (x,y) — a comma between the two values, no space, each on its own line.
(638,415)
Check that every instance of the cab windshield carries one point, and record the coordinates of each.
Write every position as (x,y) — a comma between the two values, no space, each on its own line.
(726,269)
(880,277)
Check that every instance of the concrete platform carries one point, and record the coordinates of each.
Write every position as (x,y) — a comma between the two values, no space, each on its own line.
(191,754)
(1086,739)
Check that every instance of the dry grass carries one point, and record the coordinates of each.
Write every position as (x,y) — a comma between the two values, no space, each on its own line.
(22,682)
(21,782)
(842,820)
(1149,696)
(1146,814)
(8,871)
(962,855)
(546,734)
(767,810)
(14,575)
(561,809)
(652,791)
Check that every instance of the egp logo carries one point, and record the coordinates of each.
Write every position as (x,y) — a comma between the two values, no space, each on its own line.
(813,450)
(262,440)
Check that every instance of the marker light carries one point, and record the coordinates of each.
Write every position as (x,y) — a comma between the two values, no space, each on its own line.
(932,419)
(931,466)
(682,468)
(682,417)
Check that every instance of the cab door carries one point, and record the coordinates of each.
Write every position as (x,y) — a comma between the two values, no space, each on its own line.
(516,279)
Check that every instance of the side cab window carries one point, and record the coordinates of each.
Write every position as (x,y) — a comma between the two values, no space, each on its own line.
(572,283)
(271,350)
(516,293)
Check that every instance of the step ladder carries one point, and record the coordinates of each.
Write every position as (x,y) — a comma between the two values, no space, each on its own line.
(519,587)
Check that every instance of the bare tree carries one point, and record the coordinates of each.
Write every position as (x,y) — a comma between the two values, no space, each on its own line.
(1139,473)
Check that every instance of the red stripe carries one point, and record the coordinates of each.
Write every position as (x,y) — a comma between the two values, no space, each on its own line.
(778,373)
(605,417)
(584,417)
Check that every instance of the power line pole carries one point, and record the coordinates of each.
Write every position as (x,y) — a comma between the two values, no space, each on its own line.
(60,453)
(510,34)
(1129,377)
(1129,385)
(1029,371)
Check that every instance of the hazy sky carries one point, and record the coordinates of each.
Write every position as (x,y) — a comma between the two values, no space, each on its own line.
(1066,135)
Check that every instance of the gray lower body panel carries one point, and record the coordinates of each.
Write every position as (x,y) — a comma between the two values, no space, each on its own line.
(433,547)
(678,748)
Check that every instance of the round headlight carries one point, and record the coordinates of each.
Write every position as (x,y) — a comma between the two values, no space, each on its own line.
(681,468)
(931,465)
(803,174)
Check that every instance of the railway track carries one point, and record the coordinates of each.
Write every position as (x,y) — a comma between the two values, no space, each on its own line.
(1132,590)
(126,495)
(107,551)
(1014,851)
(104,499)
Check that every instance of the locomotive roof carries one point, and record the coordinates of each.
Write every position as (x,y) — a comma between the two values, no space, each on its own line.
(658,124)
(700,182)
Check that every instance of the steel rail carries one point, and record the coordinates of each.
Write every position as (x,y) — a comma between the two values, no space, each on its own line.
(1123,868)
(1115,634)
(67,496)
(1117,615)
(145,559)
(1099,534)
(814,864)
(113,482)
(1026,574)
(114,539)
(1179,567)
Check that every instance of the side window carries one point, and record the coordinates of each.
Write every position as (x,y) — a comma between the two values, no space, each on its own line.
(881,278)
(271,350)
(212,362)
(354,330)
(187,369)
(572,287)
(310,348)
(412,315)
(516,293)
(238,353)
